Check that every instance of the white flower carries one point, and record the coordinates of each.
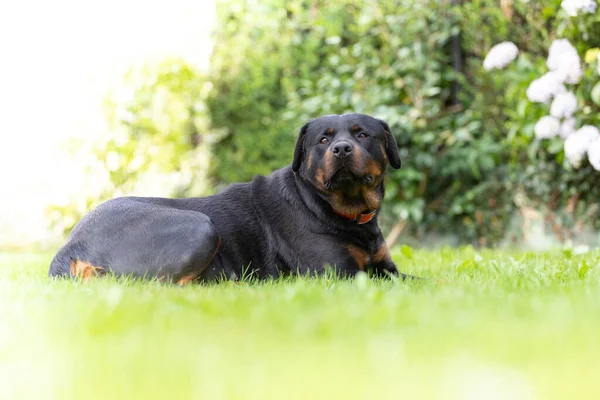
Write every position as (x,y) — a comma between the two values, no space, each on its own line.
(567,127)
(542,90)
(594,154)
(563,105)
(564,61)
(558,50)
(570,70)
(573,6)
(588,6)
(578,143)
(500,55)
(546,127)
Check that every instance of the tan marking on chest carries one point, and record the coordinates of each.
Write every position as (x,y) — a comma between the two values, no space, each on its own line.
(359,255)
(371,198)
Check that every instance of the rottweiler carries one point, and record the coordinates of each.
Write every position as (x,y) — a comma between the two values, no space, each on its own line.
(315,215)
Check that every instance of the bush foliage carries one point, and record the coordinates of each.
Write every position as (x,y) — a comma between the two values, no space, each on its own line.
(470,158)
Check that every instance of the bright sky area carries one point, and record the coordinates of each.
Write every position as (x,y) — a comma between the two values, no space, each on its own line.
(58,60)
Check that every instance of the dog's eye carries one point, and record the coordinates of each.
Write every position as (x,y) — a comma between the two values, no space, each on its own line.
(362,135)
(324,140)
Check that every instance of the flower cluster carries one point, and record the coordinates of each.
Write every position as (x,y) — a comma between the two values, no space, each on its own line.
(573,7)
(500,55)
(594,154)
(585,140)
(543,89)
(547,127)
(563,105)
(567,127)
(564,60)
(565,69)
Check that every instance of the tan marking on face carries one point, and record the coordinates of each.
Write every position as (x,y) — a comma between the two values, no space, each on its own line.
(328,163)
(382,254)
(358,161)
(357,198)
(84,270)
(359,255)
(330,131)
(357,154)
(374,169)
(320,178)
(309,161)
(356,128)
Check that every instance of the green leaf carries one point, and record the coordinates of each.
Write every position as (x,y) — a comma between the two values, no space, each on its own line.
(568,252)
(465,266)
(583,270)
(591,55)
(407,252)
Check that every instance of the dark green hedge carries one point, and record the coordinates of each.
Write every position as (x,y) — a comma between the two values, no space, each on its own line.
(470,158)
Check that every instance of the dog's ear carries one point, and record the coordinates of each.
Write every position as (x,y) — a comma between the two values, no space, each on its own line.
(391,147)
(299,150)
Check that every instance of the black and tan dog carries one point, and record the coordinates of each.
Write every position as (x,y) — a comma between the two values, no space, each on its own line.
(319,212)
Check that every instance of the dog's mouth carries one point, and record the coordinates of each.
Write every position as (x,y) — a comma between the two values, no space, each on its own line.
(344,178)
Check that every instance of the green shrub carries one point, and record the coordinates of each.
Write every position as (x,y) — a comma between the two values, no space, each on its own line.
(389,59)
(466,136)
(467,166)
(539,175)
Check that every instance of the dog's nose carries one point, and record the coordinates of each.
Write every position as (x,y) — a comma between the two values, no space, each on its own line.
(342,149)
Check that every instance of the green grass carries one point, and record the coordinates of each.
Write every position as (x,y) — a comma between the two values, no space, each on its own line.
(486,325)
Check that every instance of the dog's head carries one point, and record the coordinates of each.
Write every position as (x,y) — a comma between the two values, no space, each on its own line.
(345,157)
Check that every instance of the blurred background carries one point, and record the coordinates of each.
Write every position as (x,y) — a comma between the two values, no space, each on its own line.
(494,105)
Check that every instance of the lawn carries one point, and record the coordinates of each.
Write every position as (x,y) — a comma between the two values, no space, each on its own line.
(485,325)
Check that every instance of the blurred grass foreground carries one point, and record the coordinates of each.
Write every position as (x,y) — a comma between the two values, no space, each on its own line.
(486,325)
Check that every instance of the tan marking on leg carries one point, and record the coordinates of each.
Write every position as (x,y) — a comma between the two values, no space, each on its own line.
(382,254)
(359,255)
(187,279)
(84,270)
